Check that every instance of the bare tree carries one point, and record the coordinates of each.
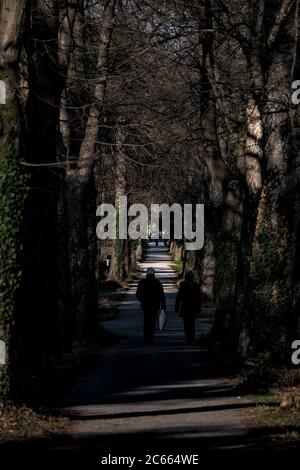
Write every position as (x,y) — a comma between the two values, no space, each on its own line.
(79,178)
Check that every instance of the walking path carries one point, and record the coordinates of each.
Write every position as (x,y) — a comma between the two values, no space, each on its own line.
(165,396)
(164,399)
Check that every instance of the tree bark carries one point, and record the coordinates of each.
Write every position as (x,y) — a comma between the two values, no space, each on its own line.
(78,181)
(40,277)
(12,182)
(119,264)
(253,183)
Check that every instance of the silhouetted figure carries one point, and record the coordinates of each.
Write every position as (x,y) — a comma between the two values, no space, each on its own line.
(151,294)
(188,304)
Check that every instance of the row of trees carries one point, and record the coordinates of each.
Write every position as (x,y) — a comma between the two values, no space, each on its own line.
(162,101)
(251,62)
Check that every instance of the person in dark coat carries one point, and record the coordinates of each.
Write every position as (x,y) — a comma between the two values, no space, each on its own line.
(188,304)
(150,294)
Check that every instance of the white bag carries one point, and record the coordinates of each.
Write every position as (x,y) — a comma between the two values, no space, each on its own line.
(162,318)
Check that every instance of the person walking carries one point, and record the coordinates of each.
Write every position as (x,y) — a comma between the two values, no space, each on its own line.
(150,294)
(188,304)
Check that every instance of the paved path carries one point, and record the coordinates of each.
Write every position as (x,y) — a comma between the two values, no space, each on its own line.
(160,399)
(168,396)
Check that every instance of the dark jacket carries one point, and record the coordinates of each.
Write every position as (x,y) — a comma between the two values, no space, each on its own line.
(188,299)
(151,294)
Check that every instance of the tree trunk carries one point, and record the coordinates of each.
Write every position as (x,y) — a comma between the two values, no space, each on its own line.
(12,184)
(39,280)
(78,181)
(281,196)
(119,264)
(252,191)
(70,51)
(253,184)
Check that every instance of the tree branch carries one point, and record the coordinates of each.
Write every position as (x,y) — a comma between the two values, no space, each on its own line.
(281,16)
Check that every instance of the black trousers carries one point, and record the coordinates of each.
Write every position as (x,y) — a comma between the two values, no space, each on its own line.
(189,328)
(150,318)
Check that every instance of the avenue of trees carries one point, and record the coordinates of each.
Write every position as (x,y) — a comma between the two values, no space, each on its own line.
(162,101)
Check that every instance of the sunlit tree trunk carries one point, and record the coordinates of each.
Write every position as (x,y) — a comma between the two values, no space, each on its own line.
(253,160)
(119,265)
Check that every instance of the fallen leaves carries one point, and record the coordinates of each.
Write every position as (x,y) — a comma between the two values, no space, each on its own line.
(21,422)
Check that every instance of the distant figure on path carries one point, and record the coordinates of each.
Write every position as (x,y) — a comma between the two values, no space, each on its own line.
(188,304)
(151,294)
